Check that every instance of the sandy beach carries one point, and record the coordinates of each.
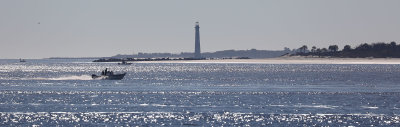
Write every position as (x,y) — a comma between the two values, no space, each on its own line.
(292,60)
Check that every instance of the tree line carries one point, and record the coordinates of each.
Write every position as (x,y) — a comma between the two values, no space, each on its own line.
(375,50)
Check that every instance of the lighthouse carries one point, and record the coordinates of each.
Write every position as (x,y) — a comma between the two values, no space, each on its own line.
(197,54)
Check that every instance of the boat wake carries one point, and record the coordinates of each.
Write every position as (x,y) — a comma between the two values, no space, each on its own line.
(71,77)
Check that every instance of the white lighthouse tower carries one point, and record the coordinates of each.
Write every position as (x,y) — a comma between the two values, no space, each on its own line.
(197,54)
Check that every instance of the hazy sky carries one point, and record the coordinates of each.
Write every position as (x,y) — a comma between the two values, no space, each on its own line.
(74,28)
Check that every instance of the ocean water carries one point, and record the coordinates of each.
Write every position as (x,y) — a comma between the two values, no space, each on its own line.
(61,92)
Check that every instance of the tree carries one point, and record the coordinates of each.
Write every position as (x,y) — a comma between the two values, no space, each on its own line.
(393,44)
(303,48)
(313,49)
(364,47)
(333,48)
(319,50)
(346,48)
(324,50)
(286,49)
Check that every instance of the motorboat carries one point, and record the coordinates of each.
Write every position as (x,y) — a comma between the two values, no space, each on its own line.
(108,75)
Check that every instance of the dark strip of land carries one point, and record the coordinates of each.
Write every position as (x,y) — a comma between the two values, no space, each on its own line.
(374,50)
(158,59)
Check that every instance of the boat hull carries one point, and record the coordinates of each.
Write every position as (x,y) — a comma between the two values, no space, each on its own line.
(109,77)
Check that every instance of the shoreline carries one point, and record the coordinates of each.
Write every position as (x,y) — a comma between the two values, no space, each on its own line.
(278,60)
(290,60)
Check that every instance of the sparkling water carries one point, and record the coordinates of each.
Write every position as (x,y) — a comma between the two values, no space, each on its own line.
(61,92)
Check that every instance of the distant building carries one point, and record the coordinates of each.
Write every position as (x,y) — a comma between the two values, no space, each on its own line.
(197,53)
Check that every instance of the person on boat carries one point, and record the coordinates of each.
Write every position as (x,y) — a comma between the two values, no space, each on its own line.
(105,72)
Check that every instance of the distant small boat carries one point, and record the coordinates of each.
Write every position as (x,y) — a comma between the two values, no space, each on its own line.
(21,60)
(124,63)
(108,75)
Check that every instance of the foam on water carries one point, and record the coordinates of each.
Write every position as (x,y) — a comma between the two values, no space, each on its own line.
(70,77)
(73,77)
